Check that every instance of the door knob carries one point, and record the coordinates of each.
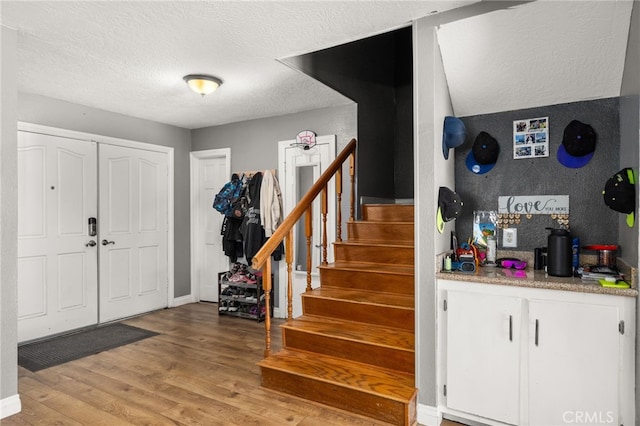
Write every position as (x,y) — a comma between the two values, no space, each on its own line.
(105,242)
(91,243)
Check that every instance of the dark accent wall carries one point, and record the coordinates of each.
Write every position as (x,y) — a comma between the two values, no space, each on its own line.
(376,73)
(590,219)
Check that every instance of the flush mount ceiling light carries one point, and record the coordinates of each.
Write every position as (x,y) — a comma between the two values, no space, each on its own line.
(202,83)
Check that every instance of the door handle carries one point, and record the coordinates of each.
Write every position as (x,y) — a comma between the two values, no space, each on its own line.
(511,328)
(106,243)
(537,330)
(91,243)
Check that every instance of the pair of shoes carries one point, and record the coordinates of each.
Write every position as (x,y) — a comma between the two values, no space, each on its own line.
(238,277)
(233,306)
(250,278)
(223,306)
(238,267)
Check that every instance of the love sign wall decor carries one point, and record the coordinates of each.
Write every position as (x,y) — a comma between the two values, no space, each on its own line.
(512,207)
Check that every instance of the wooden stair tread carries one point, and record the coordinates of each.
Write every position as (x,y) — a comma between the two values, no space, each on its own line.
(391,384)
(388,212)
(380,222)
(365,297)
(354,331)
(378,268)
(380,243)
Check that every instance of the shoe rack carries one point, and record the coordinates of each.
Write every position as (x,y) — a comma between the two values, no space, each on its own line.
(241,295)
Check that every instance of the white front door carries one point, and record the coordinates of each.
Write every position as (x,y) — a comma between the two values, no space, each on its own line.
(298,171)
(210,170)
(57,258)
(133,231)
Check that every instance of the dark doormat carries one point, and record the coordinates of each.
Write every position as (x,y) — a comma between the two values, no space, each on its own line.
(58,350)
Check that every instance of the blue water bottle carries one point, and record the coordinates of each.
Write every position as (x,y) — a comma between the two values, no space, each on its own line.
(576,253)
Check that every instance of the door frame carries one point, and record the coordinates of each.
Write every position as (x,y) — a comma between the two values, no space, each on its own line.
(91,137)
(195,157)
(330,140)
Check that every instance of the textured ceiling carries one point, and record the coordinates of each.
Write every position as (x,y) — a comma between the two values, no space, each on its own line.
(130,57)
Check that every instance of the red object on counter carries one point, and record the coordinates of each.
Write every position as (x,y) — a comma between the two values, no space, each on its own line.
(601,247)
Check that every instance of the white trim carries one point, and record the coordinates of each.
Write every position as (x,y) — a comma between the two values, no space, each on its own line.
(329,140)
(10,406)
(428,415)
(194,165)
(91,137)
(183,300)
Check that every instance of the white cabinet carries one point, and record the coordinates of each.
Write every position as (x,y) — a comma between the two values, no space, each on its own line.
(535,357)
(483,363)
(574,357)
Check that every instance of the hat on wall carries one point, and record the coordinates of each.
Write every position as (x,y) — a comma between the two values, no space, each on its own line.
(449,207)
(484,154)
(453,134)
(620,194)
(578,145)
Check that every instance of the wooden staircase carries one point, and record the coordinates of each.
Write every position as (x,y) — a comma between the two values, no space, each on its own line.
(353,347)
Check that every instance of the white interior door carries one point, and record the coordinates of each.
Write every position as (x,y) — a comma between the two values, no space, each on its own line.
(298,170)
(57,265)
(133,231)
(210,170)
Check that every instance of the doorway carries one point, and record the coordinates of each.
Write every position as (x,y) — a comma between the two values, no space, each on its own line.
(86,201)
(298,170)
(210,170)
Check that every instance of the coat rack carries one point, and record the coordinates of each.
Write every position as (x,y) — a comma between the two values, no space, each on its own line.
(249,173)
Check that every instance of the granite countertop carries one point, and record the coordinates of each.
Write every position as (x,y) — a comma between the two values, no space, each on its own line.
(537,279)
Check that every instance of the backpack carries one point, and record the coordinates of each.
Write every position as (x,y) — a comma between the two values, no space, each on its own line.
(230,192)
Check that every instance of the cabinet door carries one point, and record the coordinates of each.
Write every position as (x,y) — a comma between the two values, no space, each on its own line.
(483,355)
(573,363)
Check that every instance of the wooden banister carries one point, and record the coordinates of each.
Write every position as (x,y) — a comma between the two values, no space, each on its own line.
(285,230)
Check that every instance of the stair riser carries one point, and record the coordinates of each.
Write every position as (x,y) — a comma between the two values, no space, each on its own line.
(371,231)
(390,411)
(358,280)
(374,254)
(386,357)
(389,316)
(388,212)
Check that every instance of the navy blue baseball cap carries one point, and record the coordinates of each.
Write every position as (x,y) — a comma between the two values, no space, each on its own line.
(453,134)
(578,145)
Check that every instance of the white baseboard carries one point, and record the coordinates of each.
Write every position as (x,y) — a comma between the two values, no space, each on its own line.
(428,415)
(10,406)
(183,300)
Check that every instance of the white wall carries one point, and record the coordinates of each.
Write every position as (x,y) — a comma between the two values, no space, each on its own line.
(9,400)
(629,156)
(432,104)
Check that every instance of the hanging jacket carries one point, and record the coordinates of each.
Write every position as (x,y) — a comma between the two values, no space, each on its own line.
(252,230)
(270,203)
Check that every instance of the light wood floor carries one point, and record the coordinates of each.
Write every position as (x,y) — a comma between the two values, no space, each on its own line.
(199,371)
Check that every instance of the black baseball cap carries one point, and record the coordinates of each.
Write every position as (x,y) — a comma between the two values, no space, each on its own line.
(578,145)
(449,207)
(484,154)
(620,194)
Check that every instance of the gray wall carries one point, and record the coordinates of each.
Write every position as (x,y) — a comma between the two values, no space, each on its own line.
(254,143)
(56,113)
(629,157)
(8,216)
(591,220)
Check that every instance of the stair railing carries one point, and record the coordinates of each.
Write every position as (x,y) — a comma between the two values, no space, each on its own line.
(284,232)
